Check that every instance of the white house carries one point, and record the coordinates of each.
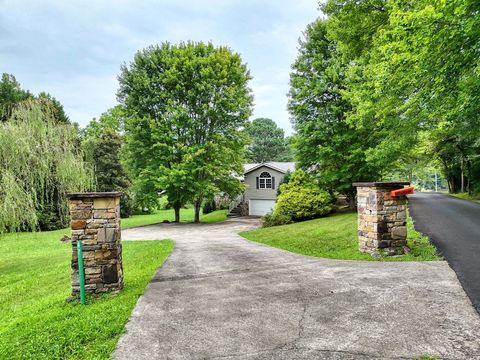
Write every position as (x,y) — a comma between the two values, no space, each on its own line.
(261,182)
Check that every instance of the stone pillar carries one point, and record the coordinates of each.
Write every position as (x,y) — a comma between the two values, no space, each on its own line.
(382,219)
(95,220)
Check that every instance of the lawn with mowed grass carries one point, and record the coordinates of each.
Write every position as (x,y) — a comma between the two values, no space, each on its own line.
(335,237)
(35,320)
(186,215)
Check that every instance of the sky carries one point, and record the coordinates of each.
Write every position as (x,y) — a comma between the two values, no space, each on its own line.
(74,49)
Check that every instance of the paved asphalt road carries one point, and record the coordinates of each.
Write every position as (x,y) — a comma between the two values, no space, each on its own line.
(220,296)
(454,227)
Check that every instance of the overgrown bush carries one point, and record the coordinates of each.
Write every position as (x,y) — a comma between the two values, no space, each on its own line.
(209,206)
(274,219)
(302,199)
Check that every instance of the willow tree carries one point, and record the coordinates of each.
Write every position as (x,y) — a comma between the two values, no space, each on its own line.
(39,162)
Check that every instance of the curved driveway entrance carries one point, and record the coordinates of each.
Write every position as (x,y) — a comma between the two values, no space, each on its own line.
(221,296)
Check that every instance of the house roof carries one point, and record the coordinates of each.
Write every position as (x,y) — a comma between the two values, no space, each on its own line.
(283,167)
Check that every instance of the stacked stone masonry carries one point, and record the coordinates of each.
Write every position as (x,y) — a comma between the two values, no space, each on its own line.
(382,225)
(95,220)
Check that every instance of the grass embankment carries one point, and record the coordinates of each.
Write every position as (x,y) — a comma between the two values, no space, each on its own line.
(335,237)
(467,196)
(186,215)
(35,320)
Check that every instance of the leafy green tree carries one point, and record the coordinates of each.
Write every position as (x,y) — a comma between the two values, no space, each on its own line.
(326,143)
(10,95)
(186,106)
(420,75)
(39,163)
(109,172)
(268,142)
(112,119)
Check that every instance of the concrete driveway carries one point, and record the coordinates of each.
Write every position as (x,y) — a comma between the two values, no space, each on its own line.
(221,296)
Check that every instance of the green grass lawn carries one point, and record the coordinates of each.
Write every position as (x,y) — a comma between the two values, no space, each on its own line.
(467,196)
(335,237)
(186,215)
(35,320)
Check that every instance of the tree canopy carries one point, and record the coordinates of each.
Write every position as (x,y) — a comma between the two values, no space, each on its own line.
(268,142)
(403,76)
(326,143)
(187,105)
(10,95)
(39,162)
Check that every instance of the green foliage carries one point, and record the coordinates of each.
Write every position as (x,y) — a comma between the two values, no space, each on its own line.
(53,107)
(11,94)
(109,172)
(112,119)
(39,162)
(35,320)
(467,196)
(274,218)
(186,106)
(301,198)
(209,206)
(285,180)
(268,142)
(416,80)
(335,237)
(397,75)
(326,144)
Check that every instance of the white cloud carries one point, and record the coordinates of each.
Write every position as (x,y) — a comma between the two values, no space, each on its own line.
(74,49)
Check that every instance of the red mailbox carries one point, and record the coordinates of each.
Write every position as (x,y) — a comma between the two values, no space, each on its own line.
(402,191)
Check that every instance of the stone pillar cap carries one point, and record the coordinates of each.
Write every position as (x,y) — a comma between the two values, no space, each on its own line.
(92,195)
(381,184)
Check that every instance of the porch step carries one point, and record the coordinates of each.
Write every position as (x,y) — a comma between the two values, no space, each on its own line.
(235,212)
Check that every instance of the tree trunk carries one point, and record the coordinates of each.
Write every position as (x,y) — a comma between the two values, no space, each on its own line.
(177,214)
(351,198)
(462,187)
(197,205)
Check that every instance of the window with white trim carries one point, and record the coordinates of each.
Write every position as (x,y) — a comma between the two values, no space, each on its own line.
(265,180)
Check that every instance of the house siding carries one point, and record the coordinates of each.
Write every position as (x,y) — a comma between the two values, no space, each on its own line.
(252,192)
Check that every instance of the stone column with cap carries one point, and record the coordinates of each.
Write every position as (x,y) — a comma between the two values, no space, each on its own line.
(382,219)
(95,220)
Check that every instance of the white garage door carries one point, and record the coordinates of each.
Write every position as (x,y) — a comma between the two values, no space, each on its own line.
(260,207)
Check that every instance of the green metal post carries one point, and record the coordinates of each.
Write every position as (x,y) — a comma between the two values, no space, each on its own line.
(81,274)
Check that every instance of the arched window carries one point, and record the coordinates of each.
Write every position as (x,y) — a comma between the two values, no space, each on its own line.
(265,180)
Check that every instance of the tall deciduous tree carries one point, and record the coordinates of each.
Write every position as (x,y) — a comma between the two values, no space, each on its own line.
(325,142)
(187,106)
(419,78)
(268,142)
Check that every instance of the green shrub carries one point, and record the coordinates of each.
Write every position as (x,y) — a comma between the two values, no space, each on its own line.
(163,203)
(209,206)
(302,199)
(275,219)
